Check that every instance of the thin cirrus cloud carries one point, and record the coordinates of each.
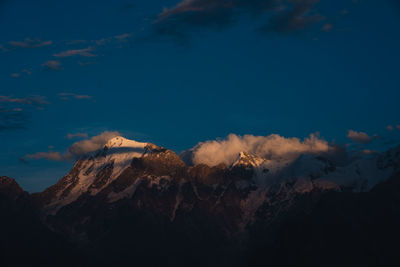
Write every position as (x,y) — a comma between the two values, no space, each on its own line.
(29,43)
(359,137)
(69,96)
(34,100)
(52,65)
(283,16)
(76,150)
(85,52)
(24,72)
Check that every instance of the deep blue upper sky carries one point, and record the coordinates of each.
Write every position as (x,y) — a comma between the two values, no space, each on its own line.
(216,76)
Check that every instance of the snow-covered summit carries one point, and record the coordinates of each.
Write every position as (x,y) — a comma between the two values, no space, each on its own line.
(93,173)
(120,141)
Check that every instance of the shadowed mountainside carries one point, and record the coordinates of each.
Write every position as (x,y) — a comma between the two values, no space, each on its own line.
(145,207)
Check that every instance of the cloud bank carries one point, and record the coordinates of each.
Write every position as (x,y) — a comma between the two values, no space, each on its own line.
(271,147)
(77,149)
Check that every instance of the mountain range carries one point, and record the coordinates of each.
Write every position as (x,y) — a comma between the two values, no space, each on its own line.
(138,204)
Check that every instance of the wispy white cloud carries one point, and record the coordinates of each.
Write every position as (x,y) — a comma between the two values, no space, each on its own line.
(86,52)
(273,147)
(34,100)
(29,43)
(77,149)
(69,96)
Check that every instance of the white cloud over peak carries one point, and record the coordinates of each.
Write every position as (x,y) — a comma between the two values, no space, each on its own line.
(273,146)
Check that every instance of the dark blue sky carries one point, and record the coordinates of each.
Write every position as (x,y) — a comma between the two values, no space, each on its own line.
(191,73)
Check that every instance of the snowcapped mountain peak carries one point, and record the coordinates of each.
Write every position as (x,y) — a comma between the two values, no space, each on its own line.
(247,160)
(120,141)
(92,174)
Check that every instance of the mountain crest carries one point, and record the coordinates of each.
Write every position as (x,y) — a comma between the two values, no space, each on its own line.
(9,187)
(247,160)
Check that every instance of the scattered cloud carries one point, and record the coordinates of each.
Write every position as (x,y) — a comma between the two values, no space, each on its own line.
(272,147)
(74,42)
(359,137)
(123,36)
(284,16)
(34,100)
(77,149)
(12,118)
(327,27)
(101,41)
(69,96)
(82,64)
(29,43)
(52,65)
(113,39)
(77,135)
(296,16)
(86,52)
(14,112)
(25,72)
